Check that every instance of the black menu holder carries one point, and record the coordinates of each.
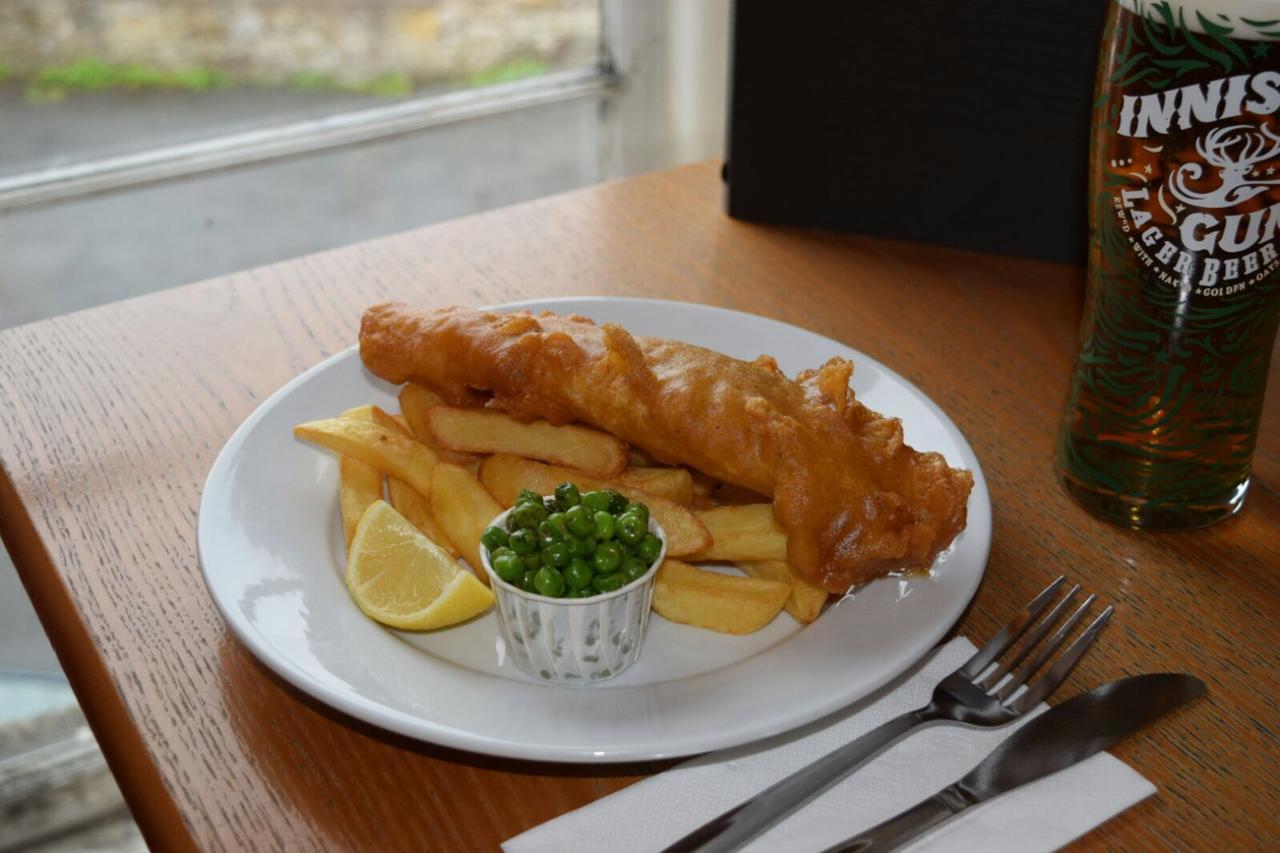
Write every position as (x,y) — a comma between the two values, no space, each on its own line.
(956,123)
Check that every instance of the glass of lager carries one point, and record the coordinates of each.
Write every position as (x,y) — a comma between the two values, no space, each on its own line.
(1184,271)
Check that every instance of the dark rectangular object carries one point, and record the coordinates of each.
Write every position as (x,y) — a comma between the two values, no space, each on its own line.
(962,124)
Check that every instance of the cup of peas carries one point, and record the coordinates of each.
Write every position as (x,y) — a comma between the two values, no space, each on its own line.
(573,575)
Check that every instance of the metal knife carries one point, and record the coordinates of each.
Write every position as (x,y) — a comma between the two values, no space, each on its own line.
(1063,735)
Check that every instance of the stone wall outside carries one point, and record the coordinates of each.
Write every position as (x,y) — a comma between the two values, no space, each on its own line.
(268,41)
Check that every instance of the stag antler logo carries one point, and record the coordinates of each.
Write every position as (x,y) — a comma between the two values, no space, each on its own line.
(1234,151)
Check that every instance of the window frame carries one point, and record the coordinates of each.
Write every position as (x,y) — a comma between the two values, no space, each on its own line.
(306,136)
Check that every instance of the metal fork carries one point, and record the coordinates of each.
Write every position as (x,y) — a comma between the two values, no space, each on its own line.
(963,697)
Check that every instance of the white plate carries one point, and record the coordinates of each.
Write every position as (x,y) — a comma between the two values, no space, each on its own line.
(271,548)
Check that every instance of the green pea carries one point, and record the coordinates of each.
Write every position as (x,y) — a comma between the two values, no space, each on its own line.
(579,548)
(609,583)
(526,516)
(596,501)
(493,538)
(532,561)
(567,496)
(579,521)
(603,524)
(631,529)
(557,520)
(607,558)
(549,582)
(641,511)
(648,548)
(578,573)
(526,580)
(617,501)
(633,569)
(547,532)
(523,542)
(528,496)
(509,565)
(556,553)
(579,593)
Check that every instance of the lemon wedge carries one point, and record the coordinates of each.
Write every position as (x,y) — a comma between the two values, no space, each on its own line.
(401,578)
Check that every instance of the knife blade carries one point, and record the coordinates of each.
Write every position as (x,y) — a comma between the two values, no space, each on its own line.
(1060,737)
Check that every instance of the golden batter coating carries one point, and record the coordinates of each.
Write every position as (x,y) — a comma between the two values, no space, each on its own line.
(857,503)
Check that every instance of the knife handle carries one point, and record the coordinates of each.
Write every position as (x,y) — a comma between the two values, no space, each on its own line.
(904,826)
(736,827)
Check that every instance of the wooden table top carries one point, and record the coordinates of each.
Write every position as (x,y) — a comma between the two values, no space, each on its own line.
(110,419)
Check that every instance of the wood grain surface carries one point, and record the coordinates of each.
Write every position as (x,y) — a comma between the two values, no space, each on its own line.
(110,419)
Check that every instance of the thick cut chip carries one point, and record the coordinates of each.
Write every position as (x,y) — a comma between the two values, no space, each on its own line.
(805,602)
(730,604)
(401,578)
(504,476)
(488,431)
(385,419)
(415,402)
(417,509)
(747,532)
(673,483)
(359,485)
(386,450)
(463,508)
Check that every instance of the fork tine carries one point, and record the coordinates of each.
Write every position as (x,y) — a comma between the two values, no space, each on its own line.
(1036,636)
(1009,633)
(1057,673)
(1049,648)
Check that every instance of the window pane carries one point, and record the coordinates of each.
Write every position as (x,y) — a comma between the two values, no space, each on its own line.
(68,256)
(84,79)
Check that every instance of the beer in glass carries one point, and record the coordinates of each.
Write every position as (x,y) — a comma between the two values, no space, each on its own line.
(1184,274)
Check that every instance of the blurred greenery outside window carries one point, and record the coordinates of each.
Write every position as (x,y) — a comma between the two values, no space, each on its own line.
(389,48)
(275,60)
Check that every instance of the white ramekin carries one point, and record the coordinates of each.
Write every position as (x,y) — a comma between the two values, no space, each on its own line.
(574,640)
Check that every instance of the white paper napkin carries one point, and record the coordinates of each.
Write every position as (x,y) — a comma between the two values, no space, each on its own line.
(1041,816)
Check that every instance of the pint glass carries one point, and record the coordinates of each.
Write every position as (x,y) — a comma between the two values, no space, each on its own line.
(1184,275)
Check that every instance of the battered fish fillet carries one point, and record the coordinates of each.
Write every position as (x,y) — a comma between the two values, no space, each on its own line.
(856,502)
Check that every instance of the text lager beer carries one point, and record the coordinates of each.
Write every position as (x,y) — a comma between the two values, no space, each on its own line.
(1184,269)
